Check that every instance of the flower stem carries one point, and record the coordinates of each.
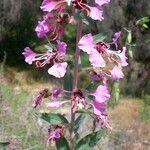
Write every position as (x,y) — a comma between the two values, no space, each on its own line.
(75,82)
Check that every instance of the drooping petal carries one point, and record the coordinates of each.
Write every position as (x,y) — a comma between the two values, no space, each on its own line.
(116,73)
(123,57)
(29,55)
(86,43)
(58,69)
(102,93)
(99,108)
(96,13)
(96,59)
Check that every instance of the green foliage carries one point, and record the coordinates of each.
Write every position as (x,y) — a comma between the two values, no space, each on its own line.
(3,145)
(54,118)
(78,122)
(89,141)
(100,37)
(143,22)
(62,144)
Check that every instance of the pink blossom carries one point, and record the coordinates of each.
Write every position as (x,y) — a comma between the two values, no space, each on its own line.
(54,133)
(55,93)
(96,59)
(87,44)
(29,55)
(49,5)
(101,2)
(99,108)
(58,69)
(123,58)
(101,94)
(116,73)
(115,38)
(96,13)
(42,28)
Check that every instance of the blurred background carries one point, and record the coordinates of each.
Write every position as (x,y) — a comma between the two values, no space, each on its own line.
(129,108)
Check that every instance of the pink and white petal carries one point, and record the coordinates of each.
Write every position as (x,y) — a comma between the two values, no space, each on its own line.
(116,73)
(102,93)
(101,2)
(123,57)
(48,5)
(58,70)
(96,13)
(86,43)
(55,104)
(96,59)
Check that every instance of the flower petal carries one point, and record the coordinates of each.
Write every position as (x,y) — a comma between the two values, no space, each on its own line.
(58,69)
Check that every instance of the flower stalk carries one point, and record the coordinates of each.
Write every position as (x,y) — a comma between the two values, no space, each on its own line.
(75,81)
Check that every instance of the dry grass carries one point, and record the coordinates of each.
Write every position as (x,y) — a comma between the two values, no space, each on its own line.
(130,132)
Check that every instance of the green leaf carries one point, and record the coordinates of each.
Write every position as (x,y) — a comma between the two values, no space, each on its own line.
(89,141)
(62,144)
(129,37)
(99,37)
(48,48)
(78,122)
(68,80)
(3,145)
(54,118)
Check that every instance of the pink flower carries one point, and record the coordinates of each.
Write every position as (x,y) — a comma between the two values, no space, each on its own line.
(96,13)
(29,55)
(123,58)
(101,2)
(42,28)
(101,94)
(87,44)
(56,58)
(54,132)
(49,5)
(55,93)
(116,73)
(99,108)
(115,38)
(58,69)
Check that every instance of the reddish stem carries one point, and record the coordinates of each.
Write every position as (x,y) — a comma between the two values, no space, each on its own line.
(75,81)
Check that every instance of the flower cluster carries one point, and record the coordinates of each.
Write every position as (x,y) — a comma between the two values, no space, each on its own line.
(106,63)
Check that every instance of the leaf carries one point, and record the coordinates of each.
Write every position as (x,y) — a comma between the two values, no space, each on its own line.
(3,145)
(129,37)
(62,144)
(78,122)
(99,37)
(54,118)
(90,140)
(68,80)
(48,48)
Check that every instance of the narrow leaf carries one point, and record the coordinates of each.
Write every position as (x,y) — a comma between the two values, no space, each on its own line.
(54,118)
(78,122)
(62,144)
(90,140)
(3,145)
(100,37)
